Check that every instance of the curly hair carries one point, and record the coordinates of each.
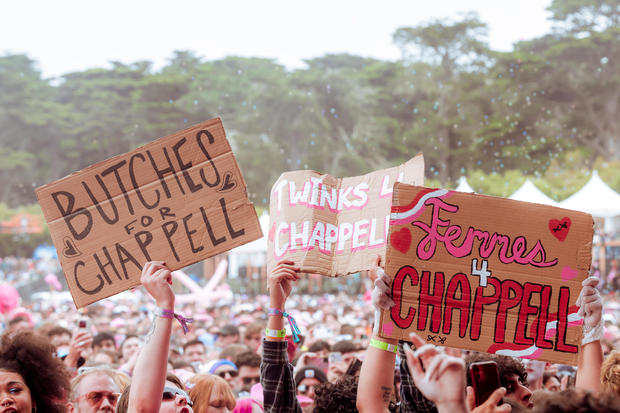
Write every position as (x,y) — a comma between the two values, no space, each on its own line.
(31,356)
(506,367)
(610,374)
(336,398)
(571,401)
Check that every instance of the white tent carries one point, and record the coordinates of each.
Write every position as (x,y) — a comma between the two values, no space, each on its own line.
(595,198)
(464,186)
(530,193)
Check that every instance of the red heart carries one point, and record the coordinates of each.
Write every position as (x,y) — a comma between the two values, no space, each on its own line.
(560,228)
(401,240)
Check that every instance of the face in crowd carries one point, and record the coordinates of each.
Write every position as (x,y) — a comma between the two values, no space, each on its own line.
(517,391)
(175,400)
(96,392)
(14,394)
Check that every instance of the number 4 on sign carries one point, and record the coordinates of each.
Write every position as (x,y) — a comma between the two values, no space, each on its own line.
(482,272)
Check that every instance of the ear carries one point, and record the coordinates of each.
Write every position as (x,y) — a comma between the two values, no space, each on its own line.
(70,407)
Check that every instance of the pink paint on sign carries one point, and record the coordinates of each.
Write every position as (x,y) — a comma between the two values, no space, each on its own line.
(388,326)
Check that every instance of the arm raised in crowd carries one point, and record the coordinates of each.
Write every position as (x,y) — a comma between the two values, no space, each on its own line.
(376,381)
(276,373)
(591,353)
(149,375)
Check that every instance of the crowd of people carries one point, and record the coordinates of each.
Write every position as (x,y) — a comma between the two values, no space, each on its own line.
(144,351)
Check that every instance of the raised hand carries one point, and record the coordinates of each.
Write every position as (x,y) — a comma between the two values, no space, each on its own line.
(591,309)
(157,279)
(281,283)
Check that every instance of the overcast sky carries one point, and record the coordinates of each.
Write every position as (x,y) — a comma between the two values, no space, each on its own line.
(73,35)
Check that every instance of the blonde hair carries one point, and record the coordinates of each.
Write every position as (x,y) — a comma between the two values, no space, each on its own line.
(120,379)
(610,374)
(201,386)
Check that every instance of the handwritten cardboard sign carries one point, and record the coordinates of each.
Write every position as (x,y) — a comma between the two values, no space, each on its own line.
(179,199)
(486,274)
(333,226)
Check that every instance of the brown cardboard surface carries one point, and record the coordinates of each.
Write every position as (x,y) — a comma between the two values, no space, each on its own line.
(179,199)
(513,297)
(334,226)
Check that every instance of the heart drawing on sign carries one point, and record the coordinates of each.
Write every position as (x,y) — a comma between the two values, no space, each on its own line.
(559,228)
(401,240)
(229,183)
(70,250)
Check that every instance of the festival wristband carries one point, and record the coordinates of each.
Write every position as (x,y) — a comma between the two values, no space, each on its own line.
(162,312)
(275,335)
(294,329)
(382,345)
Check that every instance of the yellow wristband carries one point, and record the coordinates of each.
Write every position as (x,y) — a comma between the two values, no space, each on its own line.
(382,345)
(275,333)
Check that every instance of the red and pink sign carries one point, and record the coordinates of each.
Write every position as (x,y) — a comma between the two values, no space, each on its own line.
(486,274)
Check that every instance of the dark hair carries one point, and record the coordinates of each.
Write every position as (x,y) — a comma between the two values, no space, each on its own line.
(338,397)
(310,372)
(57,331)
(18,319)
(181,364)
(232,350)
(506,366)
(247,358)
(345,346)
(548,376)
(31,356)
(193,343)
(101,337)
(318,346)
(571,401)
(127,337)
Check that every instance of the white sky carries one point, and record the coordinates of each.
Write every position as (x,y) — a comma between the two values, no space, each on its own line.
(73,35)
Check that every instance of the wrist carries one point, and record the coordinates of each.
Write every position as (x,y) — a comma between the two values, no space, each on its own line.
(278,305)
(166,304)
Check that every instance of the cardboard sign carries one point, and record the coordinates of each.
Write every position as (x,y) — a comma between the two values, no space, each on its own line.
(179,199)
(334,226)
(486,274)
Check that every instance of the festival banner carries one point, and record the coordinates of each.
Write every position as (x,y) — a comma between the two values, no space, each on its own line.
(179,199)
(486,274)
(334,226)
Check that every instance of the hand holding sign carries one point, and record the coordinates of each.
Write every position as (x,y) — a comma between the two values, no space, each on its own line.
(157,279)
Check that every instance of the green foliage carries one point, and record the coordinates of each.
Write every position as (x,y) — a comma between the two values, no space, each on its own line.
(547,110)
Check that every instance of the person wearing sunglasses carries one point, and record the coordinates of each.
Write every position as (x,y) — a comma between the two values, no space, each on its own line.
(225,369)
(173,395)
(151,391)
(96,389)
(307,378)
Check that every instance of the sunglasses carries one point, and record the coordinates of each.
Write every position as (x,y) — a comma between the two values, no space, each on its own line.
(231,373)
(250,380)
(170,393)
(304,389)
(95,398)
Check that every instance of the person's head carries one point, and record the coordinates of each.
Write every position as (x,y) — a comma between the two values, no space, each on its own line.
(59,337)
(129,347)
(104,341)
(574,401)
(253,335)
(232,350)
(336,397)
(104,357)
(551,382)
(307,379)
(512,376)
(610,374)
(211,394)
(96,389)
(347,349)
(320,347)
(194,351)
(31,377)
(248,365)
(228,334)
(174,398)
(225,369)
(535,370)
(19,323)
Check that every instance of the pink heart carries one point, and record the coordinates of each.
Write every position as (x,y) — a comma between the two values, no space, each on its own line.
(388,326)
(568,273)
